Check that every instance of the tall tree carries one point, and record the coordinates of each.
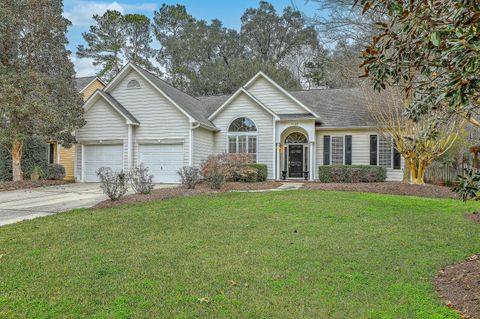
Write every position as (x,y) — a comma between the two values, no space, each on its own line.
(105,43)
(170,26)
(138,41)
(37,91)
(432,49)
(271,37)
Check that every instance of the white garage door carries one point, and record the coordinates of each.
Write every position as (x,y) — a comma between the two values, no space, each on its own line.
(163,161)
(97,156)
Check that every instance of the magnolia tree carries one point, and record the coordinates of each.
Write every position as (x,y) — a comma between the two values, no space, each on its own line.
(420,142)
(37,90)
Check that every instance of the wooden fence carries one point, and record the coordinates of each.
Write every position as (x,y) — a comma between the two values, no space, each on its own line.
(443,175)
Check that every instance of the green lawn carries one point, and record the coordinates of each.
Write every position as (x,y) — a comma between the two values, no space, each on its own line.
(300,254)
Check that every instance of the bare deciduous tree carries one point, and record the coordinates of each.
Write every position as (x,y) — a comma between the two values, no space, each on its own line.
(420,142)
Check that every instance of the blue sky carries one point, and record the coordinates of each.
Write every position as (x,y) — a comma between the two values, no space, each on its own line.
(80,12)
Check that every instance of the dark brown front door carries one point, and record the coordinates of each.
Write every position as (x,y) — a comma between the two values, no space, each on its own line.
(295,161)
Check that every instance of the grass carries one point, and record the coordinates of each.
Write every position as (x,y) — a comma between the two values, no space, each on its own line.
(300,254)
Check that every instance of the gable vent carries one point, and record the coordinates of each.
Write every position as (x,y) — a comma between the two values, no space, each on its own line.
(133,84)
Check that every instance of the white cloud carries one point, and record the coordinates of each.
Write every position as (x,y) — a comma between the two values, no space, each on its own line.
(84,67)
(80,13)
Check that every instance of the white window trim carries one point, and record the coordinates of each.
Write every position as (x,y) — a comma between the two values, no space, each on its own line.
(236,135)
(391,153)
(343,149)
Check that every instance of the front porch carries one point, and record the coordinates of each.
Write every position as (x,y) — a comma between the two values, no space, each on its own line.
(295,151)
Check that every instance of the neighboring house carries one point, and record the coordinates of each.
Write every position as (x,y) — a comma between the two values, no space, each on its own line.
(66,156)
(139,118)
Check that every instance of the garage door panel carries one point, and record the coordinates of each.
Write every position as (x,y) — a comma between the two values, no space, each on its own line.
(97,156)
(163,161)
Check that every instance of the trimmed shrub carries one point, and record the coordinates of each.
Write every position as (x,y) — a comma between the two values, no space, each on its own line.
(351,173)
(231,166)
(55,172)
(189,176)
(113,184)
(216,180)
(140,180)
(35,153)
(254,173)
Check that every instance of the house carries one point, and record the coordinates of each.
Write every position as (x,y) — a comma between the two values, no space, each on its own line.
(66,156)
(139,118)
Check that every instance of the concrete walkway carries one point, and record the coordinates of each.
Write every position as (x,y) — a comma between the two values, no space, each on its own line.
(283,187)
(26,204)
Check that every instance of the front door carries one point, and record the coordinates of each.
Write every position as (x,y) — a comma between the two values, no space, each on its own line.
(295,161)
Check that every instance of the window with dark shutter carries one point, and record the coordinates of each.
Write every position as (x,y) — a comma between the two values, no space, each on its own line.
(373,149)
(397,159)
(326,150)
(348,150)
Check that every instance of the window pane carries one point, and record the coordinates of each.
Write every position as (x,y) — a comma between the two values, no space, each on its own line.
(337,150)
(232,144)
(252,147)
(384,152)
(242,144)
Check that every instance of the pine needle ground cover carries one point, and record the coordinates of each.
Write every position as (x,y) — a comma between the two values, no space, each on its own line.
(298,254)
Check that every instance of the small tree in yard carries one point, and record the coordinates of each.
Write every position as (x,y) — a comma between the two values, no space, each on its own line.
(140,180)
(37,92)
(113,184)
(420,142)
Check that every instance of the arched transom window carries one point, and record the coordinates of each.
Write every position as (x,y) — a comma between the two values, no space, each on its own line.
(296,138)
(242,137)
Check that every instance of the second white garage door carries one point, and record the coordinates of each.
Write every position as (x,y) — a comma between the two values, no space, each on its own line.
(163,161)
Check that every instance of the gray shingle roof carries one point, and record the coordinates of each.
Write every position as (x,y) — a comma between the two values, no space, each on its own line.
(82,82)
(119,106)
(189,104)
(338,108)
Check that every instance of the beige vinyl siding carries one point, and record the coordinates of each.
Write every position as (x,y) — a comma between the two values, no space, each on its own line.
(273,98)
(91,88)
(202,145)
(243,106)
(360,150)
(67,158)
(158,117)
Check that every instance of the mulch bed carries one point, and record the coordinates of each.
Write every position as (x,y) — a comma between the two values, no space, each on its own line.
(394,188)
(459,286)
(171,192)
(474,217)
(11,186)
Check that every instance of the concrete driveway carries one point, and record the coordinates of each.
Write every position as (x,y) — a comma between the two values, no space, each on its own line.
(20,205)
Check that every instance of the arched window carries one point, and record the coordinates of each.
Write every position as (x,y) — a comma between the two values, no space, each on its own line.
(242,137)
(133,84)
(296,138)
(242,124)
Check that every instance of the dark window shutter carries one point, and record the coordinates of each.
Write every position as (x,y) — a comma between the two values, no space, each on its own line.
(373,149)
(397,159)
(348,150)
(326,150)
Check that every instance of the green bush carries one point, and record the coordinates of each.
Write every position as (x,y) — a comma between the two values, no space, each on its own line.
(262,171)
(55,172)
(35,153)
(254,173)
(351,173)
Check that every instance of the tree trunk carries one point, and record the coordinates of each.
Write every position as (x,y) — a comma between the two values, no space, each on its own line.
(17,148)
(406,173)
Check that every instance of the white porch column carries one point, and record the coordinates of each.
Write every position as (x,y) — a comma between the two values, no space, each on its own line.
(278,172)
(82,166)
(58,153)
(312,161)
(130,147)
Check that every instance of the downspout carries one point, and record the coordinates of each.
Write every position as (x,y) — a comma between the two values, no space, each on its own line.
(190,146)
